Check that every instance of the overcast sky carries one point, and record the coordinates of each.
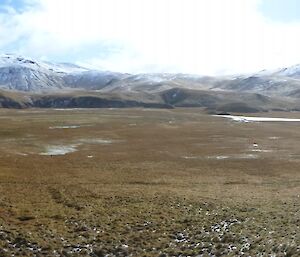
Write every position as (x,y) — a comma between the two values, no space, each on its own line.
(206,37)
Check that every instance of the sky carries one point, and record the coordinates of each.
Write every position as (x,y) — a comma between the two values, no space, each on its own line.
(206,37)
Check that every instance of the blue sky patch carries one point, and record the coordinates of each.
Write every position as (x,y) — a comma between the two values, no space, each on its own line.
(281,10)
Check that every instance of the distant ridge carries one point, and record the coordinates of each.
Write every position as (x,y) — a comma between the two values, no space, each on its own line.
(26,82)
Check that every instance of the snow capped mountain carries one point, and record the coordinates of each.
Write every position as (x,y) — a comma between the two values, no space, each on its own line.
(26,74)
(291,72)
(18,73)
(81,87)
(11,60)
(92,79)
(29,75)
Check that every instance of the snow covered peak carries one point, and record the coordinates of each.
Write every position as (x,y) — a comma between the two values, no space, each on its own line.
(292,71)
(12,60)
(64,67)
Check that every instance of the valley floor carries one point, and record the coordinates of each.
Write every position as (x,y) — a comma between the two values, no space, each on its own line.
(145,182)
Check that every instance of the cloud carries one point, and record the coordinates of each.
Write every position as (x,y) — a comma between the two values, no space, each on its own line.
(192,36)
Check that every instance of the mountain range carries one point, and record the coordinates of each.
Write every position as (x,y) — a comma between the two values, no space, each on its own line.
(25,82)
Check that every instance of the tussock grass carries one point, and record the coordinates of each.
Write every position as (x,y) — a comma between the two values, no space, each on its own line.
(138,196)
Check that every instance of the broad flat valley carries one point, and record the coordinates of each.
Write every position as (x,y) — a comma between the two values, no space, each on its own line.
(147,182)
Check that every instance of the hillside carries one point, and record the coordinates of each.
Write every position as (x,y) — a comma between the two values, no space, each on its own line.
(26,82)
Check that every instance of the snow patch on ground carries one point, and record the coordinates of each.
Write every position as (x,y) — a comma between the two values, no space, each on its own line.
(257,119)
(190,157)
(65,127)
(261,151)
(72,109)
(59,149)
(22,154)
(96,141)
(233,156)
(219,157)
(223,157)
(274,138)
(65,149)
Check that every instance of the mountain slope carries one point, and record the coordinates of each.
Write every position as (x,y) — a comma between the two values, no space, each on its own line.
(17,73)
(63,85)
(226,101)
(266,85)
(29,75)
(92,79)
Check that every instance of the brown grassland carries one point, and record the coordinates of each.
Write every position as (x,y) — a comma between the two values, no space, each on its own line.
(145,182)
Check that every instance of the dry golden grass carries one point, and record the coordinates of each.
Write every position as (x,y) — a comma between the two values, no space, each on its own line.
(147,183)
